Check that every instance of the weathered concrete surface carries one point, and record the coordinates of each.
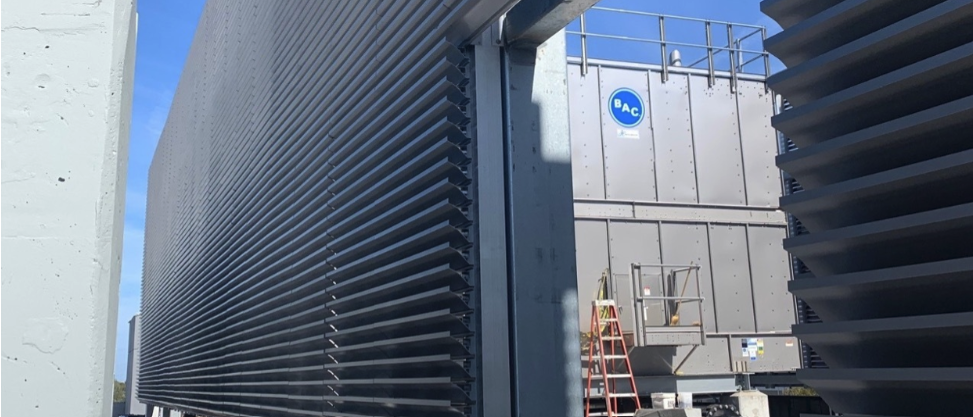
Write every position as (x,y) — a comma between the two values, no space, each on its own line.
(66,93)
(751,403)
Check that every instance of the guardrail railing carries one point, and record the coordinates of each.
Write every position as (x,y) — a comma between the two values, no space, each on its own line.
(723,49)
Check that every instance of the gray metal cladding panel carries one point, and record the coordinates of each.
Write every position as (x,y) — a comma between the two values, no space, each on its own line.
(707,359)
(881,119)
(591,242)
(692,137)
(632,242)
(629,155)
(740,255)
(673,133)
(716,134)
(731,279)
(587,158)
(638,226)
(309,225)
(770,271)
(683,244)
(779,352)
(756,106)
(711,359)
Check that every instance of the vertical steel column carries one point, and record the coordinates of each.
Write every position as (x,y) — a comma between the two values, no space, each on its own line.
(494,347)
(540,240)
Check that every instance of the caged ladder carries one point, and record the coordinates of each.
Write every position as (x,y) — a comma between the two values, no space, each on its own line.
(607,362)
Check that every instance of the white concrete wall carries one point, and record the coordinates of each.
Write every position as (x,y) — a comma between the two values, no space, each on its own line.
(66,93)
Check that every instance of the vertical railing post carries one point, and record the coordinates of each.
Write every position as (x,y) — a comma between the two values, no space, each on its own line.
(732,51)
(635,273)
(739,45)
(702,322)
(709,54)
(766,56)
(662,44)
(584,47)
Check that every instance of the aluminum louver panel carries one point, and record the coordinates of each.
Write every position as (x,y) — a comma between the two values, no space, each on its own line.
(309,224)
(805,314)
(882,105)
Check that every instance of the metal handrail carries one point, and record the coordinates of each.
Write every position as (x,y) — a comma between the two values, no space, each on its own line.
(738,56)
(694,19)
(681,267)
(659,42)
(635,273)
(691,299)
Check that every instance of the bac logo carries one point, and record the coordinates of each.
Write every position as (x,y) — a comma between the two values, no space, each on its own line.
(626,107)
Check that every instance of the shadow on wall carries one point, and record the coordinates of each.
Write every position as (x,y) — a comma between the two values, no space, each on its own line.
(540,235)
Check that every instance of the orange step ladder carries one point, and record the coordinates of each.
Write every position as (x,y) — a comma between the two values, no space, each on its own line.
(612,365)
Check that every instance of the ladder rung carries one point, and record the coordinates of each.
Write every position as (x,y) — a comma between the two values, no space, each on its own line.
(598,351)
(613,395)
(609,357)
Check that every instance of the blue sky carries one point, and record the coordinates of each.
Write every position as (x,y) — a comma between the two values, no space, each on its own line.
(165,31)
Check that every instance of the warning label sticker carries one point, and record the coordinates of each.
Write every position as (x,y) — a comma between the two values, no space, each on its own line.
(752,348)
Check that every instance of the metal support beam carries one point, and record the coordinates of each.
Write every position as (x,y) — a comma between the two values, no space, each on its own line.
(531,22)
(540,217)
(656,211)
(494,349)
(707,384)
(474,17)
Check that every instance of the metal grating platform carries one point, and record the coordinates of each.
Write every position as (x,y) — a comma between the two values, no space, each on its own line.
(882,103)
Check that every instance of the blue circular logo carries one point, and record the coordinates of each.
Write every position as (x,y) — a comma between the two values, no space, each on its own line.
(626,107)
